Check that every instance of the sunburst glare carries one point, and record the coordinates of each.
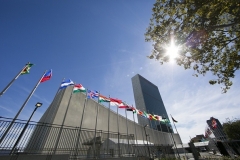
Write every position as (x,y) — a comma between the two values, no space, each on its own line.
(172,50)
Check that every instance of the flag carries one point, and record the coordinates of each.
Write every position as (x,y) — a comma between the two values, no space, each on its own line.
(150,116)
(134,110)
(165,120)
(131,109)
(145,114)
(140,112)
(92,94)
(103,99)
(159,118)
(174,120)
(124,105)
(115,102)
(47,76)
(154,118)
(26,69)
(214,123)
(78,88)
(66,83)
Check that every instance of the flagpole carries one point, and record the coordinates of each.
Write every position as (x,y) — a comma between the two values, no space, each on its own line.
(150,122)
(179,136)
(64,118)
(118,133)
(108,123)
(16,77)
(43,119)
(135,130)
(127,128)
(94,144)
(143,137)
(80,127)
(16,116)
(156,127)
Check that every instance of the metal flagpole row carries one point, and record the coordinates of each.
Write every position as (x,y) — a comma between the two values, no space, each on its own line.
(30,95)
(80,127)
(16,77)
(65,115)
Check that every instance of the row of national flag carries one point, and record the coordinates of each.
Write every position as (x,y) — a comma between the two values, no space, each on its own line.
(90,94)
(113,101)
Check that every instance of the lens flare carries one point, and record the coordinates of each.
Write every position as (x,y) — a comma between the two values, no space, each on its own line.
(172,50)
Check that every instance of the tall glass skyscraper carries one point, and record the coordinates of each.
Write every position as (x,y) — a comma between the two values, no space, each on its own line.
(148,99)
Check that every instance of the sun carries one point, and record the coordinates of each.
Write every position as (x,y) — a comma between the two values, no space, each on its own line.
(172,50)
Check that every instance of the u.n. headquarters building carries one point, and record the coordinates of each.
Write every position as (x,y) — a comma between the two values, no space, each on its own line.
(82,127)
(147,98)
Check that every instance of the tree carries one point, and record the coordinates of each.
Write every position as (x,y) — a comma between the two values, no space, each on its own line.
(207,31)
(232,128)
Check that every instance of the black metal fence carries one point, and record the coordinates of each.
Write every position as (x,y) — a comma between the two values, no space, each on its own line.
(51,139)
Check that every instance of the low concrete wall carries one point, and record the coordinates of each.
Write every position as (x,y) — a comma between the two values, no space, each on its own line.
(36,157)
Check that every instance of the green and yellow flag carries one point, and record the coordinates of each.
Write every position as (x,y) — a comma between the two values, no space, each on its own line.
(27,69)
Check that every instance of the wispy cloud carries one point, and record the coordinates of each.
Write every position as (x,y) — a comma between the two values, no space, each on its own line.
(42,99)
(6,109)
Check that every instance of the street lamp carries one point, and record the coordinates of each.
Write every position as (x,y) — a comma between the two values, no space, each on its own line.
(37,105)
(147,140)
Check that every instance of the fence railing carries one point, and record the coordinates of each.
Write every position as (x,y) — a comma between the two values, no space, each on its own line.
(51,139)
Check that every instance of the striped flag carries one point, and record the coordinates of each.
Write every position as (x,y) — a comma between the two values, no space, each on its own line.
(78,88)
(103,99)
(66,83)
(47,76)
(115,102)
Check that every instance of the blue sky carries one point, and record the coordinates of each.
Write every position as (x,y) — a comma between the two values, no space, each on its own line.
(101,45)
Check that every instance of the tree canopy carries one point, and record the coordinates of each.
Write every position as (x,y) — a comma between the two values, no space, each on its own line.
(207,32)
(232,129)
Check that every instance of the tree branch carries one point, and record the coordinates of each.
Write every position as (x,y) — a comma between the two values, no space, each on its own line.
(222,26)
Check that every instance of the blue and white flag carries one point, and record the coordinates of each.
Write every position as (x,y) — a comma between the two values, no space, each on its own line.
(66,83)
(92,94)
